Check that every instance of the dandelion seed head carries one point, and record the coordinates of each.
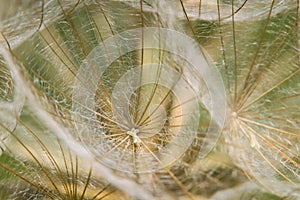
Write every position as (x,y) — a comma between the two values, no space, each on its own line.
(150,99)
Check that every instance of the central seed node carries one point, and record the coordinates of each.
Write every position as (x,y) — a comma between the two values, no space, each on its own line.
(234,114)
(133,133)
